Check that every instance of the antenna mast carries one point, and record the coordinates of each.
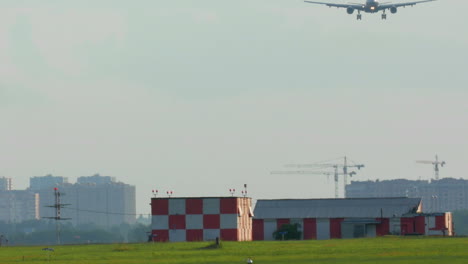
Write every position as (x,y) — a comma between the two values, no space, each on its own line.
(58,206)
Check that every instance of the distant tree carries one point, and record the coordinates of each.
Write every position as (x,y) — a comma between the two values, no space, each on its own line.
(87,227)
(288,231)
(138,233)
(143,220)
(41,232)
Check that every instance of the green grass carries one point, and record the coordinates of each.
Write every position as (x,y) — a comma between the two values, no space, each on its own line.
(393,250)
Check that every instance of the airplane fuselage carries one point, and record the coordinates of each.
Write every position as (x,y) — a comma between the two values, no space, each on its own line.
(371,6)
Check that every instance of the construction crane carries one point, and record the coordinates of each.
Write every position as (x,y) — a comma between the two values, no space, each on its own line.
(336,166)
(436,164)
(328,173)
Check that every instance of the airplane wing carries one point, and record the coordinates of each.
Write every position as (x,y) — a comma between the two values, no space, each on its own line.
(388,5)
(354,6)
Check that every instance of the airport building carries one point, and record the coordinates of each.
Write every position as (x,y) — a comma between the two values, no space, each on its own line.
(201,219)
(232,219)
(348,218)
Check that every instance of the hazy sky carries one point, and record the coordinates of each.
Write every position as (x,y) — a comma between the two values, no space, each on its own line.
(202,96)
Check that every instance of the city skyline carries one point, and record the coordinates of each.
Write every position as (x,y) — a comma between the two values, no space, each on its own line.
(96,199)
(237,192)
(201,97)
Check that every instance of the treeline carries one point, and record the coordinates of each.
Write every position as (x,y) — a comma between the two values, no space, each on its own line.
(43,232)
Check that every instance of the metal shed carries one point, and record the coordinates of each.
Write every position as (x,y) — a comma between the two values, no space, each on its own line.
(342,218)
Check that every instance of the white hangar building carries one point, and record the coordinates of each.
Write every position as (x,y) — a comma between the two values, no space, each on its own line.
(348,218)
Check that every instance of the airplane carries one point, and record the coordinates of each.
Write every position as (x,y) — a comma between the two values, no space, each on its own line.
(371,6)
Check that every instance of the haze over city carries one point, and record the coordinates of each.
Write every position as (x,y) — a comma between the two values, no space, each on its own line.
(202,96)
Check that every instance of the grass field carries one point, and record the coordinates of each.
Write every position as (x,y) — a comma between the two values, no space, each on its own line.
(393,250)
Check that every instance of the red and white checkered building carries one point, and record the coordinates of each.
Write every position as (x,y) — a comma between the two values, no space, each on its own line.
(201,219)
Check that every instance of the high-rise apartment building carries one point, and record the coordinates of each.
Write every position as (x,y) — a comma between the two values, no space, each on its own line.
(19,205)
(99,200)
(5,184)
(46,182)
(442,195)
(96,179)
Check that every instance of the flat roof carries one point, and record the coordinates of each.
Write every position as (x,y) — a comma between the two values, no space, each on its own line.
(205,197)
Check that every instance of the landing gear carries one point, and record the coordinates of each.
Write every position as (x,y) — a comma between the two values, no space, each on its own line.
(359,16)
(384,16)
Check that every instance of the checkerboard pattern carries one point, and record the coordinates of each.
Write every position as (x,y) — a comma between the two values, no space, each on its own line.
(201,219)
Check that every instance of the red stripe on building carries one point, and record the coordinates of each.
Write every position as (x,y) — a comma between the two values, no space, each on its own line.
(228,206)
(229,234)
(383,228)
(420,222)
(407,225)
(177,222)
(194,206)
(335,227)
(211,221)
(257,229)
(281,222)
(160,207)
(160,235)
(195,235)
(440,222)
(310,228)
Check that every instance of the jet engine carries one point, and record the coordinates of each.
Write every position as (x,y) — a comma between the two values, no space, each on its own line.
(350,10)
(393,10)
